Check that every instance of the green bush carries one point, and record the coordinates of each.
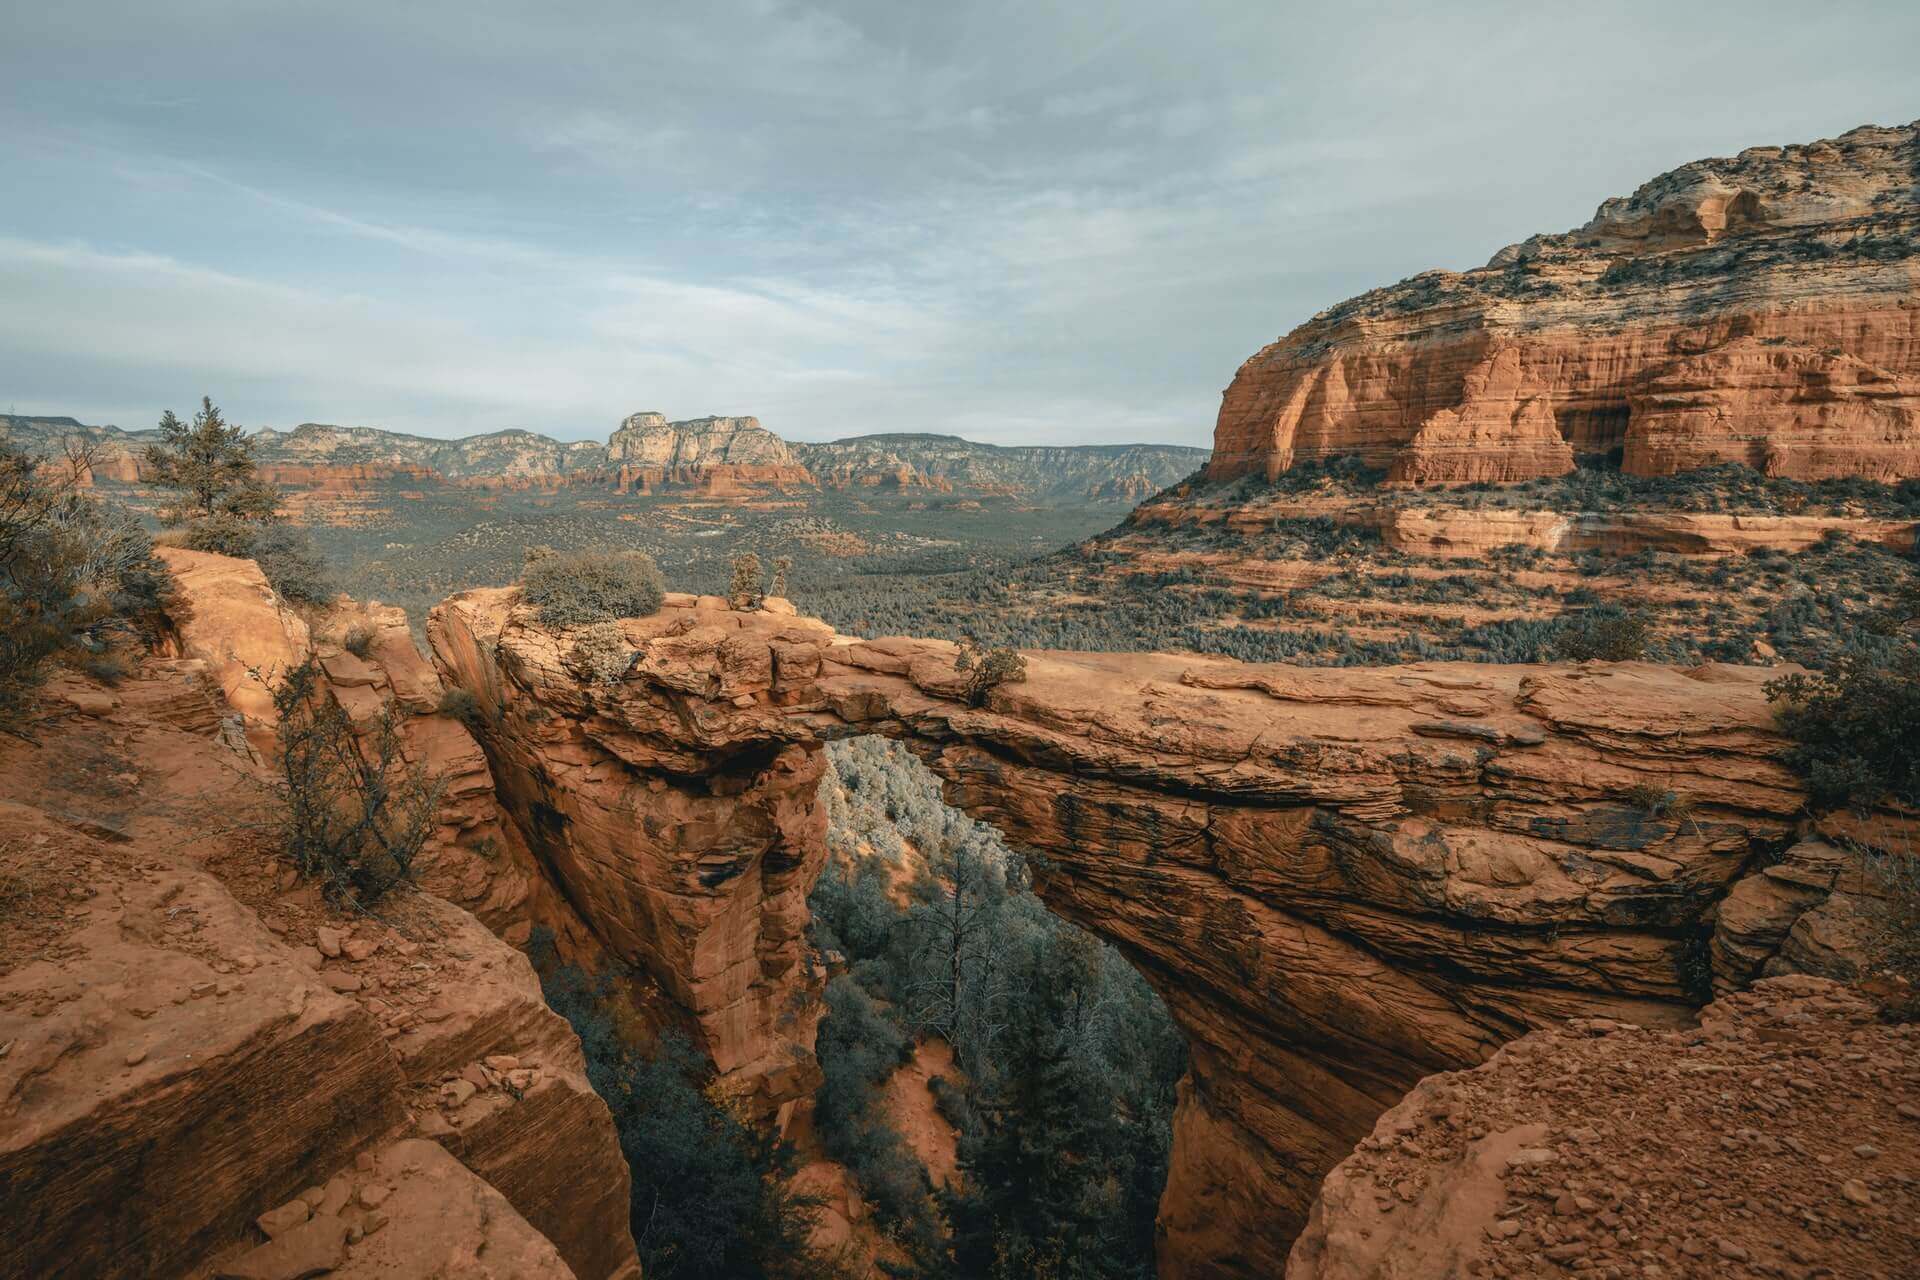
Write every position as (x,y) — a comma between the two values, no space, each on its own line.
(576,587)
(1855,729)
(284,552)
(1608,634)
(858,1049)
(356,810)
(75,575)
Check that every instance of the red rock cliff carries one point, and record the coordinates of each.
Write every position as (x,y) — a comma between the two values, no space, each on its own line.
(1341,880)
(1761,309)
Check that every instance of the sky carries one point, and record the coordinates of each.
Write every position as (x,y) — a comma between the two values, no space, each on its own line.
(1021,222)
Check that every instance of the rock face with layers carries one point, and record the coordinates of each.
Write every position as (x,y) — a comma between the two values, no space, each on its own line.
(326,469)
(1759,309)
(1467,531)
(1603,1147)
(193,1036)
(686,854)
(648,451)
(1341,880)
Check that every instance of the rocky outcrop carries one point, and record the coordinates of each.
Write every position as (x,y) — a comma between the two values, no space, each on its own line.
(1600,1147)
(709,457)
(196,1042)
(1470,531)
(409,1209)
(193,1034)
(687,855)
(172,1069)
(1758,309)
(235,624)
(1341,880)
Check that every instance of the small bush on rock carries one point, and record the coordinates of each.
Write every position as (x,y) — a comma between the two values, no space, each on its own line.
(75,574)
(987,669)
(577,587)
(357,811)
(744,591)
(285,554)
(601,654)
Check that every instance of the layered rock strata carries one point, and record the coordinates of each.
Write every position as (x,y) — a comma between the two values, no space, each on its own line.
(1759,309)
(1467,531)
(1598,1148)
(328,468)
(195,1039)
(1340,880)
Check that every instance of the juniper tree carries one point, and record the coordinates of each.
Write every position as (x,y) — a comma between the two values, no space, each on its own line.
(210,466)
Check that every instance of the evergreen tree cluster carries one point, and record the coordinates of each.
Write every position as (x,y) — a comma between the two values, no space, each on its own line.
(709,1186)
(1066,1058)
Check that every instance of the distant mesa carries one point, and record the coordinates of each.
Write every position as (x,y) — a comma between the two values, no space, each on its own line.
(1761,309)
(648,453)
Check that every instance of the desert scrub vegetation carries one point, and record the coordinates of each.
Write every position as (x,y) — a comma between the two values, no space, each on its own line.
(1607,633)
(356,810)
(77,576)
(1854,730)
(600,653)
(744,591)
(1854,737)
(570,588)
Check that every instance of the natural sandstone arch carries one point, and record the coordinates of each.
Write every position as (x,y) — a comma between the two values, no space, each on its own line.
(1340,880)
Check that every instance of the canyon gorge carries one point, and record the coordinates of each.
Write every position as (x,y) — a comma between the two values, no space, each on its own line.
(1402,912)
(1341,881)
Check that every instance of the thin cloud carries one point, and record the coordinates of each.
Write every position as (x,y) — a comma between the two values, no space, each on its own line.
(1009,220)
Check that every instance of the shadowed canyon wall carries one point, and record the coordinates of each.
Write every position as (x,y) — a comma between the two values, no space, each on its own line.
(1760,309)
(1340,880)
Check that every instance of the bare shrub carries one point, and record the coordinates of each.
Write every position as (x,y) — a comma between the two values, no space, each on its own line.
(600,653)
(987,669)
(744,592)
(356,810)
